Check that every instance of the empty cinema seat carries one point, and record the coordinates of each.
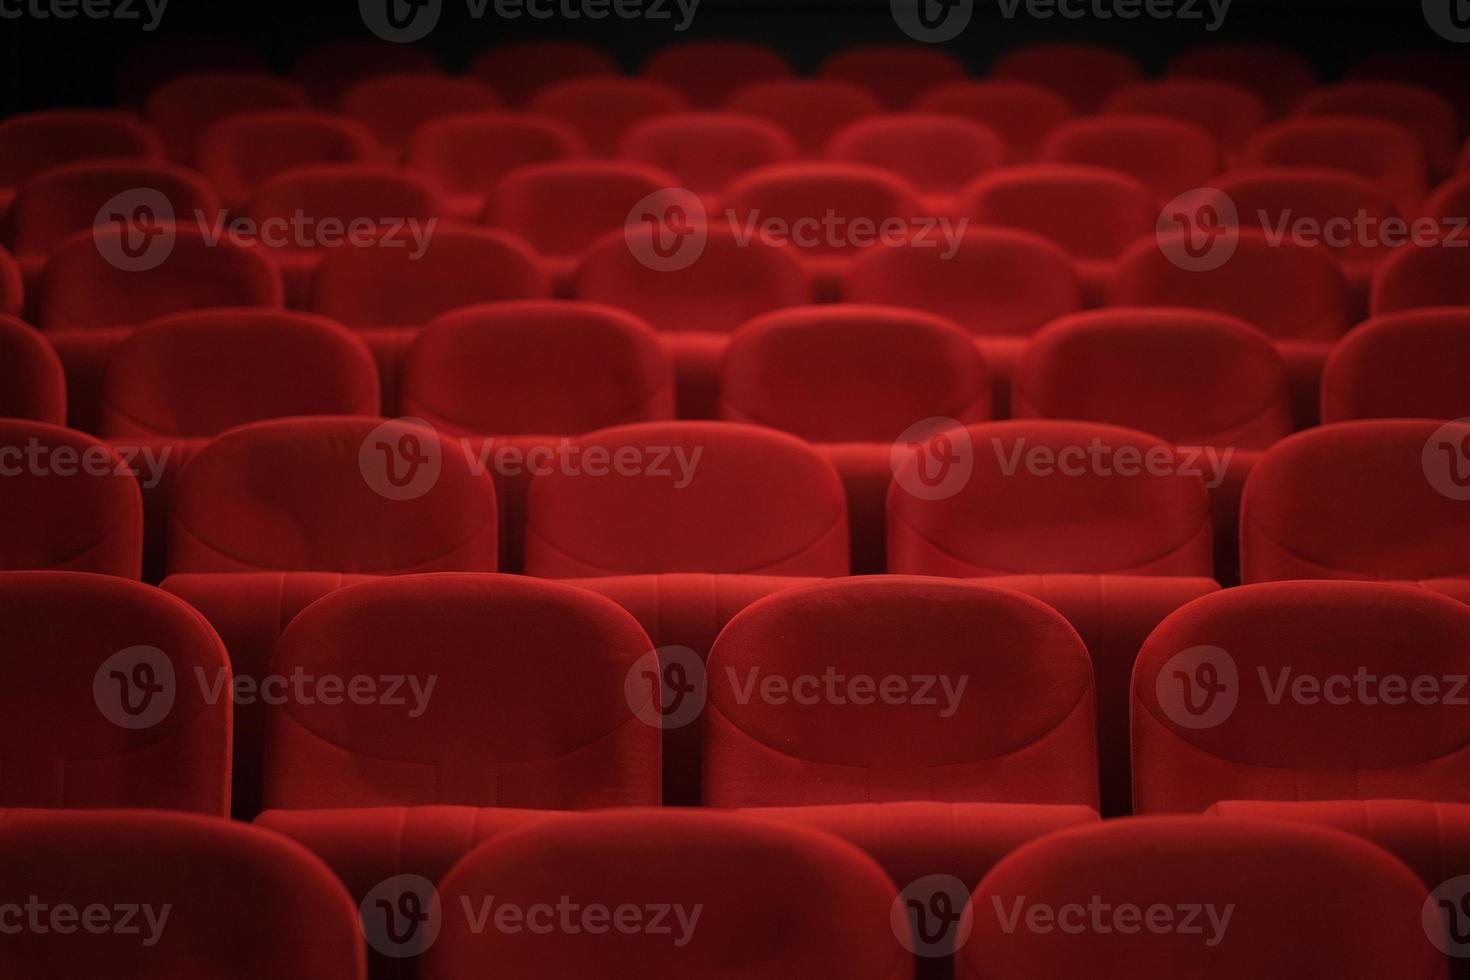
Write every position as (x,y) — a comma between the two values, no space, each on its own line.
(70,503)
(563,208)
(1382,152)
(1171,896)
(936,153)
(853,379)
(1421,276)
(1021,112)
(1092,213)
(1168,156)
(328,69)
(467,153)
(541,719)
(31,142)
(706,151)
(67,200)
(796,903)
(896,73)
(705,497)
(334,206)
(1083,74)
(182,108)
(523,376)
(241,152)
(1278,76)
(1303,691)
(176,896)
(1010,720)
(1409,365)
(1230,113)
(108,701)
(1429,116)
(601,110)
(518,71)
(392,106)
(808,110)
(708,72)
(32,384)
(1380,500)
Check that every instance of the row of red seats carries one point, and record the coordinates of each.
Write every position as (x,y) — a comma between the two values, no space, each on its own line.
(667,893)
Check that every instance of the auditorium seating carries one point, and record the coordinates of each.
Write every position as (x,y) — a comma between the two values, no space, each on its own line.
(520,70)
(601,110)
(393,106)
(71,503)
(706,151)
(329,69)
(1230,113)
(182,108)
(1083,74)
(35,141)
(172,896)
(241,152)
(1300,901)
(896,74)
(1380,152)
(1421,276)
(1021,112)
(1429,116)
(1277,75)
(808,110)
(1375,500)
(936,153)
(1401,365)
(467,153)
(539,719)
(1166,155)
(32,384)
(709,72)
(1302,691)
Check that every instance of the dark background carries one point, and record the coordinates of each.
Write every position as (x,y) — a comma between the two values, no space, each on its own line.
(75,62)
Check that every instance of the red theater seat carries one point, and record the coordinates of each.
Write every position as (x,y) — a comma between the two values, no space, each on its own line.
(31,142)
(1231,114)
(1167,155)
(1302,691)
(1278,76)
(393,106)
(602,110)
(1416,277)
(244,151)
(176,896)
(1425,113)
(695,308)
(999,284)
(32,384)
(107,702)
(896,73)
(1022,113)
(853,379)
(332,205)
(938,154)
(182,108)
(773,902)
(1361,500)
(467,153)
(519,71)
(70,503)
(562,209)
(808,110)
(1091,213)
(63,201)
(705,497)
(1022,731)
(1182,897)
(520,375)
(1083,74)
(708,72)
(706,151)
(327,70)
(1450,205)
(12,286)
(541,719)
(1408,365)
(1381,152)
